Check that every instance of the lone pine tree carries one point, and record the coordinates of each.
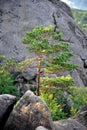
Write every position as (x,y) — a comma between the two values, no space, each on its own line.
(52,54)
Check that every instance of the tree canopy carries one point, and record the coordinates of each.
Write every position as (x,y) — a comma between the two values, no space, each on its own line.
(52,54)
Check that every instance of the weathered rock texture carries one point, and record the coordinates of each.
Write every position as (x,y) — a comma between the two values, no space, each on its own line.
(6,105)
(29,113)
(26,80)
(19,16)
(69,124)
(79,122)
(81,116)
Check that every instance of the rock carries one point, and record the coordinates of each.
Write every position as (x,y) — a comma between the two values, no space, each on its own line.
(19,78)
(41,128)
(83,75)
(81,116)
(85,33)
(32,113)
(26,81)
(69,124)
(26,87)
(30,74)
(85,64)
(84,108)
(6,105)
(29,113)
(77,79)
(17,17)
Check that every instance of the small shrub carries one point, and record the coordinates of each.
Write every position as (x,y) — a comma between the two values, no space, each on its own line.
(52,102)
(55,100)
(7,86)
(6,78)
(79,97)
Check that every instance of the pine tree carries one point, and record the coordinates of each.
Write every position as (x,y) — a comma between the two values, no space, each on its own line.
(52,54)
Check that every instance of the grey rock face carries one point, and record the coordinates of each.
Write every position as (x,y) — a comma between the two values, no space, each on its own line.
(6,105)
(77,79)
(69,124)
(81,116)
(85,63)
(19,16)
(26,80)
(29,74)
(29,113)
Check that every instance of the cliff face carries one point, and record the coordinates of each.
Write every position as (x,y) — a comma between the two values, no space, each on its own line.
(19,16)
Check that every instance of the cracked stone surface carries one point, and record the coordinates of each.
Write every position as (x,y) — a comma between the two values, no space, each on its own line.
(30,112)
(19,16)
(7,102)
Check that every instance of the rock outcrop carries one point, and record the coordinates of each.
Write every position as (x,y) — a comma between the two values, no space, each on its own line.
(29,113)
(26,80)
(69,124)
(32,113)
(19,16)
(81,115)
(6,105)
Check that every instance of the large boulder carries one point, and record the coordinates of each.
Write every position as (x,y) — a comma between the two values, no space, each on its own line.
(29,113)
(6,105)
(17,17)
(32,113)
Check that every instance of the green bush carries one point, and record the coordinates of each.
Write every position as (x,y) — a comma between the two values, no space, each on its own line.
(80,17)
(79,97)
(55,99)
(7,86)
(6,78)
(52,102)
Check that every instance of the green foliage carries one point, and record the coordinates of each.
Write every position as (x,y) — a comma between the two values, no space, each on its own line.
(2,57)
(55,99)
(60,62)
(39,41)
(6,79)
(7,64)
(52,102)
(24,64)
(58,81)
(57,36)
(53,94)
(78,96)
(52,56)
(80,17)
(6,84)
